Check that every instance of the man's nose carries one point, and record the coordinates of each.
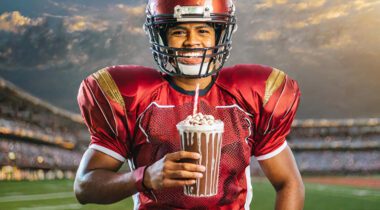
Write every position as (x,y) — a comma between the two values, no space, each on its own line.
(192,40)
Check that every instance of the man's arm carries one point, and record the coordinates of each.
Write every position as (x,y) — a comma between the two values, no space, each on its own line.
(97,179)
(282,172)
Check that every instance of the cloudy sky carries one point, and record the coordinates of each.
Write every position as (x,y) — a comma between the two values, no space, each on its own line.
(331,47)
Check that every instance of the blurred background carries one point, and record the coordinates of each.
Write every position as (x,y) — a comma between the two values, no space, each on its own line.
(332,48)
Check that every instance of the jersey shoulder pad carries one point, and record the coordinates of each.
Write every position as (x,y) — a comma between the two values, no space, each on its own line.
(127,84)
(134,80)
(252,80)
(103,109)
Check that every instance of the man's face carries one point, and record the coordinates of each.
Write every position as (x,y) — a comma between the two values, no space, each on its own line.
(191,35)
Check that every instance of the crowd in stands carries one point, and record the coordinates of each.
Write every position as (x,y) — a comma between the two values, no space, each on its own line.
(342,137)
(34,143)
(334,162)
(24,118)
(37,139)
(334,144)
(15,173)
(339,161)
(24,129)
(361,131)
(340,149)
(31,156)
(23,111)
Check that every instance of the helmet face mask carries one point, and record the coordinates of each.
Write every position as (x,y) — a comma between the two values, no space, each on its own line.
(164,14)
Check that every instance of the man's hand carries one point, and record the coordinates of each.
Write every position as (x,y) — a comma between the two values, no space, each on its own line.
(170,172)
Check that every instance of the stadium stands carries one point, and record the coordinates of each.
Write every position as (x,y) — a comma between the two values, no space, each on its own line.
(37,139)
(335,146)
(41,141)
(342,146)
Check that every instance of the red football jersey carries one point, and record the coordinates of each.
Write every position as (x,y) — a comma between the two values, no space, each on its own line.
(132,112)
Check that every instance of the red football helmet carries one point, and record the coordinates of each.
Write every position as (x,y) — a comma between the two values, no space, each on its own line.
(163,14)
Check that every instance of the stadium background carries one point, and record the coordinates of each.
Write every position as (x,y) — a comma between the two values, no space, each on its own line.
(331,47)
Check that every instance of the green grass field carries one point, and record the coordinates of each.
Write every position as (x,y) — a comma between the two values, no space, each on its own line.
(53,195)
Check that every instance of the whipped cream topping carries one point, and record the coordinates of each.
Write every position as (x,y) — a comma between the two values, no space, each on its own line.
(199,119)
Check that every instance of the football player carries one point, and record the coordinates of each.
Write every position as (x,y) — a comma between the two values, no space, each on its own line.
(132,112)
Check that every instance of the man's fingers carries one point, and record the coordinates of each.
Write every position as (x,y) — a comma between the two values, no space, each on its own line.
(177,183)
(182,155)
(181,174)
(186,167)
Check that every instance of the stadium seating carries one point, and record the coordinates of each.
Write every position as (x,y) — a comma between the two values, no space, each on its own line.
(41,141)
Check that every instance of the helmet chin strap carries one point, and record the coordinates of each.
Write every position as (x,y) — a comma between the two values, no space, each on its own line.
(193,69)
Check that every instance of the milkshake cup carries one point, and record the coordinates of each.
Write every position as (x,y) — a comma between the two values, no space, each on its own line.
(202,134)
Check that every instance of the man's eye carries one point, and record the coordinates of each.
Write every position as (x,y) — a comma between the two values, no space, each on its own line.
(202,31)
(178,33)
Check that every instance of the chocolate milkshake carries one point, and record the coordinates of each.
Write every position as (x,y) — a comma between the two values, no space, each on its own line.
(203,134)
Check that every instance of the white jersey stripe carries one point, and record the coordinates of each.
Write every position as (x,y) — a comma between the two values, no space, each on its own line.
(273,153)
(107,151)
(136,201)
(249,195)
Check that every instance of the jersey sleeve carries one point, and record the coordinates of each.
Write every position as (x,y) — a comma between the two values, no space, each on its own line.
(278,108)
(103,112)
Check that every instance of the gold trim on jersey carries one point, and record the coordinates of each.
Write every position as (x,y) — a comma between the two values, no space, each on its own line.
(273,82)
(108,86)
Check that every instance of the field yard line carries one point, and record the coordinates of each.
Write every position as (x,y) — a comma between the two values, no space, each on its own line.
(57,207)
(36,197)
(348,192)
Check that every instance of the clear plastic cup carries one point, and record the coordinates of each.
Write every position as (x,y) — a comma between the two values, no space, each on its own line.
(207,141)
